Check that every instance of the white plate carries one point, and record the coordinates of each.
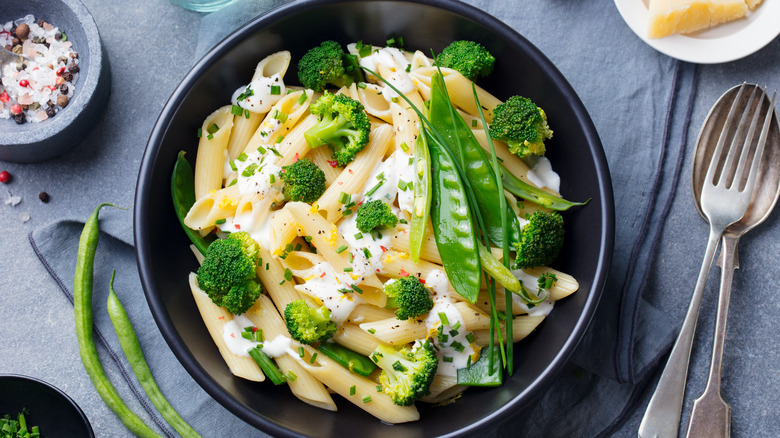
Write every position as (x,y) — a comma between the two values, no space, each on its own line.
(723,43)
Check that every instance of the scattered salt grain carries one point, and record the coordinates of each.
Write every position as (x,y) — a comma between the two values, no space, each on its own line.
(24,217)
(13,201)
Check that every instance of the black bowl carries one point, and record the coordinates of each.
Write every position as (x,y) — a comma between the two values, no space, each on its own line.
(164,257)
(50,409)
(34,142)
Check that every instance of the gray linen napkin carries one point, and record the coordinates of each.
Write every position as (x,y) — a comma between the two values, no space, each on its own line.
(628,336)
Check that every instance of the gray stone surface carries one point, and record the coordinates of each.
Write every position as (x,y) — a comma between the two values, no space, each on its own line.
(150,45)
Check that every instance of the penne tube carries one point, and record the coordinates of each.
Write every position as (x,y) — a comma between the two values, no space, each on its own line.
(273,64)
(522,326)
(215,318)
(400,332)
(367,313)
(459,89)
(216,205)
(280,120)
(210,159)
(356,339)
(270,271)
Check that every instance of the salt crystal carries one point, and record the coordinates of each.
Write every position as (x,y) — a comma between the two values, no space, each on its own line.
(13,201)
(24,217)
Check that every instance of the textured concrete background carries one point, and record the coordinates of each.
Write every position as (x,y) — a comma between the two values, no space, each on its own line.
(150,45)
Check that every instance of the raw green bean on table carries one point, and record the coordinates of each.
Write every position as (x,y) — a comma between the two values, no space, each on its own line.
(82,309)
(474,162)
(453,224)
(422,197)
(135,356)
(183,194)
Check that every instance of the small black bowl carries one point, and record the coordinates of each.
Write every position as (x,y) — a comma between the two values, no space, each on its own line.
(164,258)
(50,409)
(34,142)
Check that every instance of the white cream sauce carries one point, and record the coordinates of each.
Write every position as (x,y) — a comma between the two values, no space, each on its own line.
(444,304)
(532,286)
(397,63)
(329,287)
(263,94)
(240,346)
(543,175)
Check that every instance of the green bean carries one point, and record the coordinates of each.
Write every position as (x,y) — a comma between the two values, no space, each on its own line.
(82,309)
(131,347)
(183,195)
(453,222)
(267,365)
(422,198)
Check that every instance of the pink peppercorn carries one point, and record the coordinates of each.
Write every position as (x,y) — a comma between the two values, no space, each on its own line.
(24,83)
(4,97)
(16,109)
(5,177)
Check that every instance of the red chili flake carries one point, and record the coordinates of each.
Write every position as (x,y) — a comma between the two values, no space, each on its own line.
(4,97)
(221,317)
(35,69)
(341,182)
(333,163)
(24,83)
(383,248)
(323,274)
(232,335)
(351,171)
(421,280)
(296,158)
(60,71)
(52,87)
(254,329)
(5,177)
(377,270)
(238,226)
(404,273)
(360,203)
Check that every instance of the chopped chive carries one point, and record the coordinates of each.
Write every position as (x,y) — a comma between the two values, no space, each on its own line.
(474,123)
(456,325)
(64,37)
(261,150)
(457,346)
(408,68)
(288,274)
(411,161)
(454,333)
(344,198)
(213,128)
(447,359)
(281,282)
(279,139)
(367,252)
(220,221)
(288,247)
(351,257)
(301,352)
(403,221)
(356,288)
(266,266)
(363,49)
(402,184)
(236,110)
(405,147)
(281,116)
(233,165)
(378,388)
(210,136)
(200,132)
(307,238)
(366,398)
(361,85)
(303,98)
(341,249)
(298,247)
(372,331)
(313,358)
(247,336)
(276,90)
(381,176)
(291,375)
(398,366)
(358,236)
(391,42)
(250,170)
(443,318)
(443,338)
(347,212)
(470,337)
(272,178)
(233,182)
(348,269)
(350,205)
(352,390)
(246,113)
(344,290)
(276,152)
(374,189)
(242,157)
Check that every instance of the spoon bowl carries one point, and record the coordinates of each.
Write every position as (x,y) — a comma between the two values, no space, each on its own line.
(767,189)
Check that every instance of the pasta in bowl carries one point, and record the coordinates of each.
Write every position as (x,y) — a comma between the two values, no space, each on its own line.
(315,251)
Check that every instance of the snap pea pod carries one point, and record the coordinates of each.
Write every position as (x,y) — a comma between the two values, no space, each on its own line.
(474,163)
(82,309)
(132,349)
(522,189)
(183,194)
(481,373)
(453,224)
(347,358)
(499,271)
(422,197)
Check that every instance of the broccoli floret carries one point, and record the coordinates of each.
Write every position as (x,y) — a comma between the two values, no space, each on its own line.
(409,296)
(303,181)
(375,215)
(343,125)
(306,324)
(471,59)
(522,125)
(406,374)
(228,273)
(328,64)
(540,240)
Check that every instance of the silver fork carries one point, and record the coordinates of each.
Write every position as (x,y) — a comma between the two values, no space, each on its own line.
(723,202)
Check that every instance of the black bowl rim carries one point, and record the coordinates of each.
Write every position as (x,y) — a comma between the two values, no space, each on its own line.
(157,306)
(61,393)
(12,143)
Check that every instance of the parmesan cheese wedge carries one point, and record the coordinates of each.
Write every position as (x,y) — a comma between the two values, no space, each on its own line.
(669,17)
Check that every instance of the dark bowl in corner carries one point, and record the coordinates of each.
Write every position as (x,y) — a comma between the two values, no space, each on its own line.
(53,411)
(35,142)
(164,257)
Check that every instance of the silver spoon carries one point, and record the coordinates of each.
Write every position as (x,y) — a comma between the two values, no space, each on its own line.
(711,415)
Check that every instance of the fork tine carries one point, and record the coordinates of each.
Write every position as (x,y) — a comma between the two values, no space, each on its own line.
(761,143)
(738,173)
(710,177)
(737,140)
